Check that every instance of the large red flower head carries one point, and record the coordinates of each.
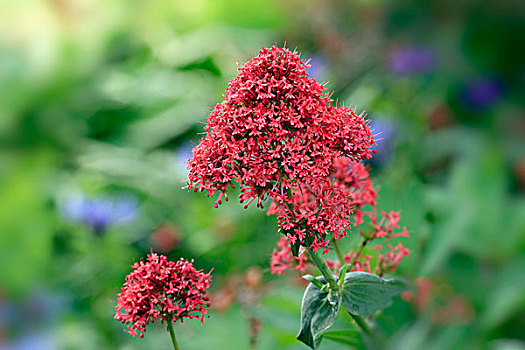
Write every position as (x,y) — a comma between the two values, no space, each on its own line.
(158,288)
(275,128)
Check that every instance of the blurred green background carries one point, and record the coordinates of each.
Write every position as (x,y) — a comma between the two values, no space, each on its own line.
(100,102)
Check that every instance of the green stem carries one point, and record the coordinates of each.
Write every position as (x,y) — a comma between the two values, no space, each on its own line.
(172,334)
(325,271)
(338,251)
(363,244)
(362,324)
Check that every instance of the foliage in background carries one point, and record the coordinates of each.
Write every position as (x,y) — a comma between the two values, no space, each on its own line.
(102,99)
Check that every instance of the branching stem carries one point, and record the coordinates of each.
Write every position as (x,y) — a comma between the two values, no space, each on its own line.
(358,253)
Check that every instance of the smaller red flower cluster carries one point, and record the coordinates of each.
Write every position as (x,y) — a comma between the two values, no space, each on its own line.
(355,183)
(159,288)
(283,259)
(384,260)
(439,301)
(326,208)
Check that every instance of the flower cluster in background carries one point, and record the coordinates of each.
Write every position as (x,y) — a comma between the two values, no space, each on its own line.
(440,302)
(277,134)
(165,238)
(246,290)
(158,288)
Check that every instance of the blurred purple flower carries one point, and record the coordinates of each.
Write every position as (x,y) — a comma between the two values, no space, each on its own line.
(318,68)
(482,92)
(384,134)
(411,60)
(99,212)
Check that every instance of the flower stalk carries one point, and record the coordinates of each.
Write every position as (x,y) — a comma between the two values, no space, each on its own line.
(358,254)
(172,334)
(334,286)
(323,268)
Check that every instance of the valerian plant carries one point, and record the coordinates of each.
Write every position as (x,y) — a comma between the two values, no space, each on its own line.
(279,136)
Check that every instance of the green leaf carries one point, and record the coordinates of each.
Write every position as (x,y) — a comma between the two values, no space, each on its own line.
(350,337)
(314,281)
(364,293)
(342,273)
(318,311)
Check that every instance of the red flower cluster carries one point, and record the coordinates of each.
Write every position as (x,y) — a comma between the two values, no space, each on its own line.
(352,180)
(439,301)
(277,133)
(383,260)
(283,259)
(327,208)
(159,288)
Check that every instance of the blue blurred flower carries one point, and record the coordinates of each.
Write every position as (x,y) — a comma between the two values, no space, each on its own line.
(482,92)
(33,341)
(100,212)
(8,313)
(318,68)
(44,306)
(411,60)
(384,134)
(31,320)
(182,155)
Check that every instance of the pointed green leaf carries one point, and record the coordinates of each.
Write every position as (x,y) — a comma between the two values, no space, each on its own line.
(318,311)
(364,293)
(314,281)
(342,273)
